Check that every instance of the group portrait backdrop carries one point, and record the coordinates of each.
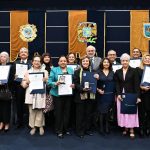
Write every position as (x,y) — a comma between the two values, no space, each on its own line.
(121,30)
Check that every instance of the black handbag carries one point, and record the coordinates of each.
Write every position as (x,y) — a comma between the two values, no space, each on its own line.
(5,94)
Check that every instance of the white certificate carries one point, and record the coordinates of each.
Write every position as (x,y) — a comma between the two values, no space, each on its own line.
(4,73)
(21,69)
(73,66)
(65,89)
(146,75)
(116,67)
(36,82)
(135,63)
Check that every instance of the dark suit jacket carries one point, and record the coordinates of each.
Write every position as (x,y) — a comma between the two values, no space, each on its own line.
(131,82)
(78,87)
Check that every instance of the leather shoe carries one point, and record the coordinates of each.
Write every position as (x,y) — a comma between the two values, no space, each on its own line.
(148,132)
(68,133)
(60,135)
(6,130)
(90,133)
(141,133)
(19,126)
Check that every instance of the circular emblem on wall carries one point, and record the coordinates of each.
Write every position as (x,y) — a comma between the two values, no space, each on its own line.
(146,30)
(28,32)
(87,32)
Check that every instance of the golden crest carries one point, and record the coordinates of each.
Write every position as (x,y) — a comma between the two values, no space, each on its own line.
(87,32)
(28,32)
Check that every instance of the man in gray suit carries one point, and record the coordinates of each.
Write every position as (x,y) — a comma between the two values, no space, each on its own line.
(95,61)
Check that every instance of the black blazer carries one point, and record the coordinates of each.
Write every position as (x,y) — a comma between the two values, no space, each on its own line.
(131,82)
(78,87)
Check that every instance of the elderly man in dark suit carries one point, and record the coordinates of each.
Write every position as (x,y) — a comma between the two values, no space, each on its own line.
(19,90)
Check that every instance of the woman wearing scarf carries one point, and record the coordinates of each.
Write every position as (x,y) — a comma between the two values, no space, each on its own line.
(84,100)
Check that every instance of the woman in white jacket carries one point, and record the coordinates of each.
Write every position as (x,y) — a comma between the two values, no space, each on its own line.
(36,102)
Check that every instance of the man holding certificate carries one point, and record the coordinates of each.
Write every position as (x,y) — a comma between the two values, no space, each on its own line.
(128,92)
(19,69)
(60,81)
(34,82)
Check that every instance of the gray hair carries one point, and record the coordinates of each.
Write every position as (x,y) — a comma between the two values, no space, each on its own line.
(125,56)
(92,47)
(6,54)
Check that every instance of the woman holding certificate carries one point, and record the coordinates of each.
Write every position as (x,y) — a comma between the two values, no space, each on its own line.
(35,94)
(61,77)
(127,88)
(84,99)
(5,103)
(144,106)
(105,89)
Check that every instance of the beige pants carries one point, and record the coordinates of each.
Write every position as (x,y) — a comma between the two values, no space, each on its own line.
(36,117)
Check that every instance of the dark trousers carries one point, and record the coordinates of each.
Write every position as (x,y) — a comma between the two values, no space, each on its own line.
(62,113)
(5,111)
(20,99)
(72,122)
(103,122)
(144,116)
(84,114)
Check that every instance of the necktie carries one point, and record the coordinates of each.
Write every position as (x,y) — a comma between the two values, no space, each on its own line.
(22,62)
(91,61)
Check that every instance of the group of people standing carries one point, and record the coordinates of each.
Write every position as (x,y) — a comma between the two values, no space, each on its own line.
(84,110)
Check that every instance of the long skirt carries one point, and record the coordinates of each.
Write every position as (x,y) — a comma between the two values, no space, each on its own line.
(126,120)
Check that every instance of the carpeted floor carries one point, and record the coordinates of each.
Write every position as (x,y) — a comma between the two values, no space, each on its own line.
(22,140)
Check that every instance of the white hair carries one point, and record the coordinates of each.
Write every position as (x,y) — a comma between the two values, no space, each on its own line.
(92,47)
(23,48)
(6,54)
(125,56)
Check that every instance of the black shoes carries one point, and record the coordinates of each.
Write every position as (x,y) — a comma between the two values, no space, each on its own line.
(68,133)
(60,135)
(90,133)
(19,126)
(141,133)
(80,135)
(148,132)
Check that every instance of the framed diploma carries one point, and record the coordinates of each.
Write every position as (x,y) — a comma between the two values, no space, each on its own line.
(88,81)
(135,63)
(65,87)
(4,73)
(146,76)
(116,67)
(36,83)
(21,69)
(128,104)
